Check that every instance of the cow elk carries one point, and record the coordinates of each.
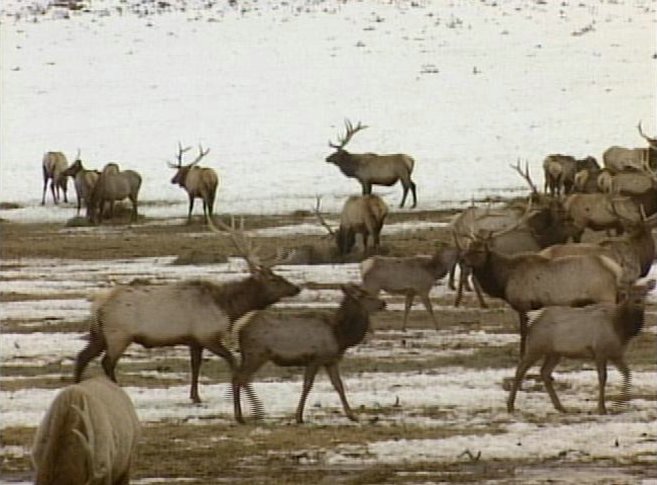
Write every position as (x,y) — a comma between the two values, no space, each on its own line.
(599,212)
(409,276)
(84,181)
(618,159)
(198,182)
(194,313)
(372,169)
(113,185)
(53,164)
(528,281)
(88,435)
(312,341)
(560,172)
(597,332)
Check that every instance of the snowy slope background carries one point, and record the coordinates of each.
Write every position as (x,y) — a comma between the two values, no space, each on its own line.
(465,87)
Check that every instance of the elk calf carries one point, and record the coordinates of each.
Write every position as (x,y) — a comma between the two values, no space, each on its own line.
(409,276)
(599,332)
(53,164)
(88,435)
(309,341)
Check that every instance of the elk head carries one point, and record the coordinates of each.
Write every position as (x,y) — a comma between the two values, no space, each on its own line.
(340,152)
(183,170)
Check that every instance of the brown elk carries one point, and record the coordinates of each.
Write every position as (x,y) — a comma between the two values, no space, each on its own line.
(53,164)
(599,332)
(599,212)
(560,172)
(630,183)
(409,276)
(618,159)
(194,313)
(84,181)
(529,281)
(372,169)
(198,182)
(113,184)
(310,341)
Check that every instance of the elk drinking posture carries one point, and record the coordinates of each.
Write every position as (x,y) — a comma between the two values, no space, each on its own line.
(88,435)
(372,169)
(599,332)
(53,164)
(84,181)
(194,313)
(198,182)
(312,341)
(409,276)
(528,281)
(112,185)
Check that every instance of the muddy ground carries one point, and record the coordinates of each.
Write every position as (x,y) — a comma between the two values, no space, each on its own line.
(282,452)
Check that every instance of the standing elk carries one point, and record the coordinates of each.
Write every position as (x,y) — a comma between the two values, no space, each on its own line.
(198,182)
(88,435)
(560,172)
(528,281)
(630,183)
(599,332)
(112,185)
(309,341)
(194,313)
(372,169)
(53,164)
(409,276)
(84,181)
(618,159)
(599,212)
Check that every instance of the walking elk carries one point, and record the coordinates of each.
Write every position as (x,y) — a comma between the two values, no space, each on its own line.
(372,169)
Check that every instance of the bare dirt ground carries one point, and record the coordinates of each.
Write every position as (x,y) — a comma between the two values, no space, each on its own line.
(283,452)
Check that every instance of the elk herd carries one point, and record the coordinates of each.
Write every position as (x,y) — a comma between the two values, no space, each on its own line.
(589,296)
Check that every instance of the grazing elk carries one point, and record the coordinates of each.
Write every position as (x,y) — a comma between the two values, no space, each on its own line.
(194,313)
(53,164)
(312,341)
(198,182)
(84,181)
(88,435)
(618,159)
(528,281)
(112,185)
(372,169)
(598,332)
(409,276)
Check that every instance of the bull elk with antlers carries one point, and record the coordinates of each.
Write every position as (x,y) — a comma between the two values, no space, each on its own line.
(53,164)
(198,182)
(372,169)
(618,159)
(196,313)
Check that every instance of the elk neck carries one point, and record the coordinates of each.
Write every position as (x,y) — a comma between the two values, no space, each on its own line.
(351,322)
(628,321)
(237,298)
(347,162)
(493,273)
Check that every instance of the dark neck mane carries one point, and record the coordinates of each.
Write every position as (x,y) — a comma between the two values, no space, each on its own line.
(351,323)
(237,298)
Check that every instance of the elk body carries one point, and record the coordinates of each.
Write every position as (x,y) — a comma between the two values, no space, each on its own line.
(113,184)
(410,276)
(529,281)
(198,182)
(598,332)
(88,435)
(560,170)
(619,159)
(53,164)
(599,211)
(84,181)
(309,341)
(194,313)
(364,215)
(372,169)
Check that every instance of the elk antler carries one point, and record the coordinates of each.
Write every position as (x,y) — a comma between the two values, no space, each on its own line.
(648,139)
(179,156)
(321,219)
(350,131)
(525,175)
(521,220)
(201,154)
(243,245)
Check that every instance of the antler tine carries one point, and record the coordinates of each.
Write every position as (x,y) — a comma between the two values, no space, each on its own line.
(321,219)
(246,250)
(201,154)
(525,175)
(349,132)
(179,156)
(648,139)
(518,223)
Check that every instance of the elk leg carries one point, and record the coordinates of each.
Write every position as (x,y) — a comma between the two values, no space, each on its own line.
(196,355)
(191,208)
(112,355)
(93,349)
(52,190)
(334,374)
(478,291)
(522,369)
(548,366)
(250,364)
(414,195)
(308,379)
(408,303)
(601,365)
(625,371)
(523,331)
(427,304)
(404,194)
(45,187)
(367,188)
(134,208)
